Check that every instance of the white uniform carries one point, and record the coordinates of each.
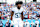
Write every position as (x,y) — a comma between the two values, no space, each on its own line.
(37,22)
(17,17)
(27,24)
(32,24)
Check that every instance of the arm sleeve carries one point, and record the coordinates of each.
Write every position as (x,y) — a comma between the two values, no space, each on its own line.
(13,9)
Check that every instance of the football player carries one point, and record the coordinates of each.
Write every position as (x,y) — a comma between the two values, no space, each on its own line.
(1,24)
(37,22)
(7,24)
(32,24)
(27,24)
(17,15)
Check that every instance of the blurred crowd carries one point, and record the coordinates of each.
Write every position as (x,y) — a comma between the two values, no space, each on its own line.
(31,11)
(5,10)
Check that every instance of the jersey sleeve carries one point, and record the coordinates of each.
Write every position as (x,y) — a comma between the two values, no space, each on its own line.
(13,9)
(23,9)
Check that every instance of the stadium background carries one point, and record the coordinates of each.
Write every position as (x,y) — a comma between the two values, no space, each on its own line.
(10,2)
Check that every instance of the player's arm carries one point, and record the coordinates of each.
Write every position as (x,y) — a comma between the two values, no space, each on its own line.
(22,16)
(12,14)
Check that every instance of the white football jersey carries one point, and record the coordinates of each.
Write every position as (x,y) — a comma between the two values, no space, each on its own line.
(27,24)
(37,22)
(32,24)
(1,24)
(17,12)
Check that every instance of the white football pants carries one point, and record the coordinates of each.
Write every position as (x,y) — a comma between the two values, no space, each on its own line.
(17,22)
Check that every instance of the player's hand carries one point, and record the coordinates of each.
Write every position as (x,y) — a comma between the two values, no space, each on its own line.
(12,22)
